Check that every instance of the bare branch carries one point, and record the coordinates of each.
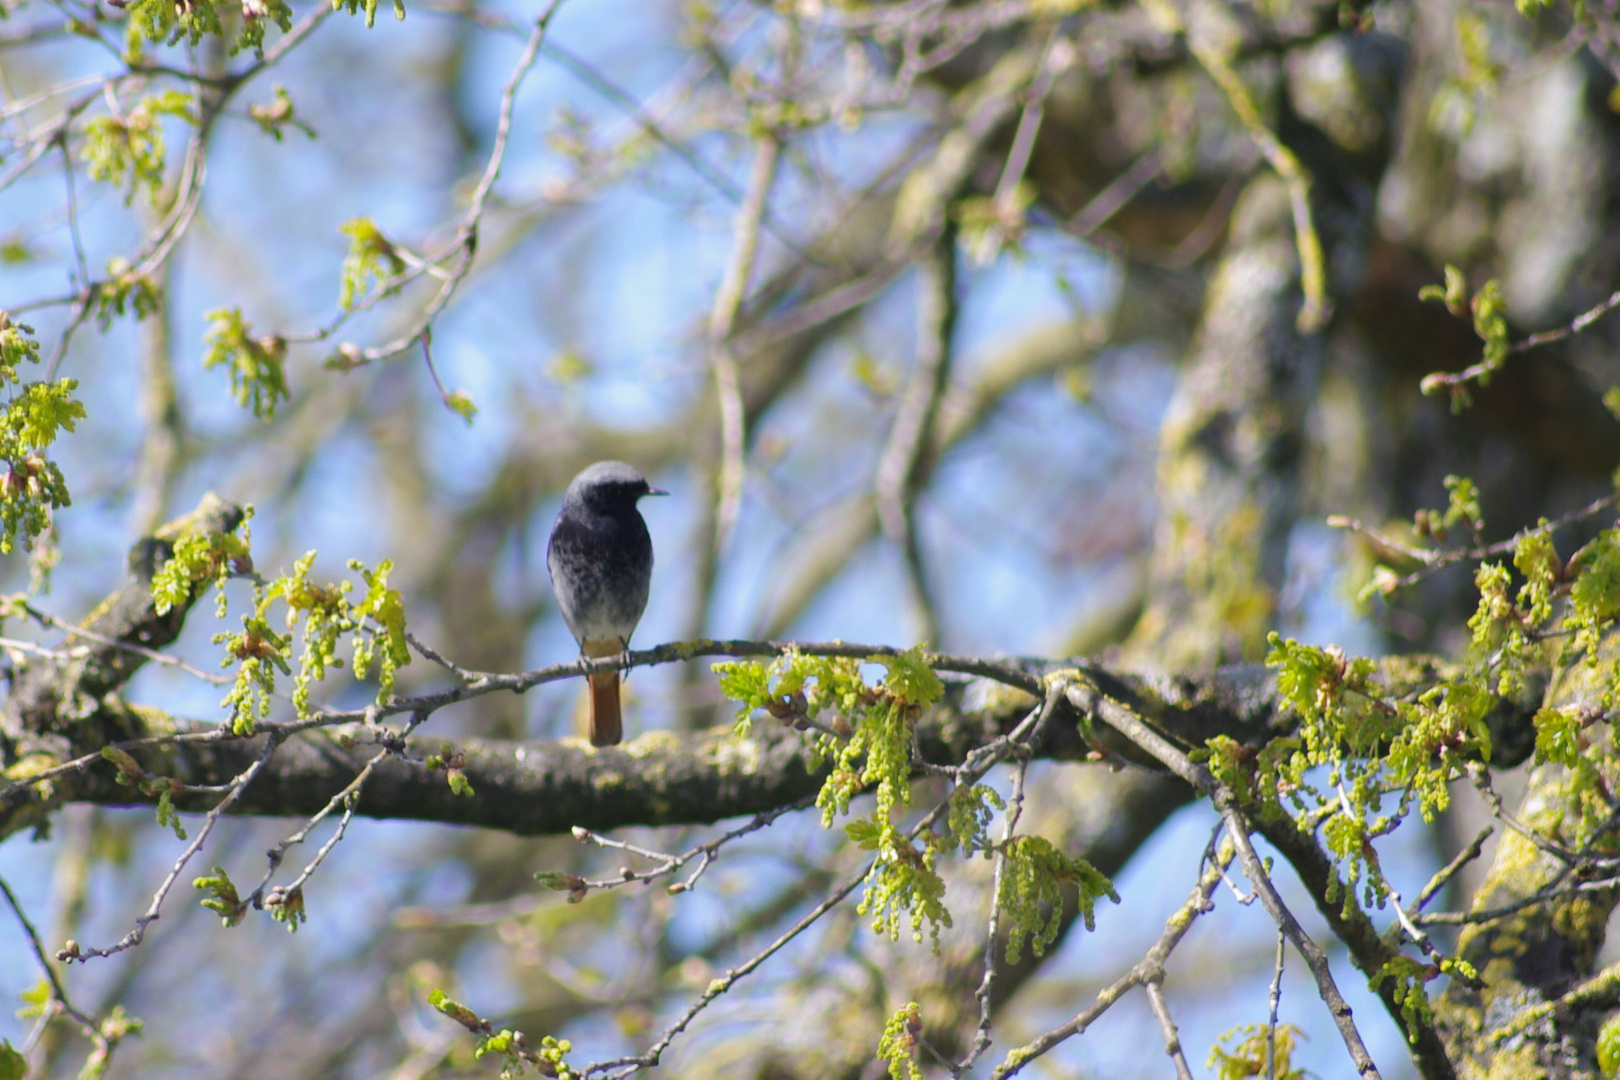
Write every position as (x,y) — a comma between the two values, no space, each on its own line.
(154,910)
(727,302)
(1150,967)
(1216,53)
(900,464)
(1132,727)
(1172,1039)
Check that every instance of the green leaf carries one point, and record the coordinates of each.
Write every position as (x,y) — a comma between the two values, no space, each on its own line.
(461,403)
(127,149)
(222,896)
(1558,736)
(903,880)
(166,814)
(371,258)
(747,683)
(1464,503)
(387,643)
(124,290)
(910,677)
(278,114)
(1608,1047)
(17,345)
(37,1000)
(1454,294)
(1408,976)
(1247,1059)
(163,20)
(1032,880)
(13,1066)
(455,1010)
(865,834)
(256,365)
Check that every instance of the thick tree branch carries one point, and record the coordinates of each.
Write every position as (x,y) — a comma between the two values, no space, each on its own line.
(64,709)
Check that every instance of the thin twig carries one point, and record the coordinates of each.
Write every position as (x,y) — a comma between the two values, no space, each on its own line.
(464,674)
(978,763)
(1216,58)
(58,991)
(1541,896)
(669,864)
(73,631)
(1161,1011)
(427,355)
(1450,870)
(984,994)
(1601,990)
(1274,1002)
(1113,198)
(1126,722)
(154,910)
(464,244)
(1485,368)
(73,214)
(1434,559)
(1151,964)
(602,84)
(349,799)
(900,463)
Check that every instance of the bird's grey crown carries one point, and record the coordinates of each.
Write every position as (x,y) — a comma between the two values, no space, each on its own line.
(607,484)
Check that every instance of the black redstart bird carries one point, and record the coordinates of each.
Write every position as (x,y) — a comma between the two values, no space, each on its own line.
(601,559)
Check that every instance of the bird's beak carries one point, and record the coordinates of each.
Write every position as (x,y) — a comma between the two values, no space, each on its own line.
(656,491)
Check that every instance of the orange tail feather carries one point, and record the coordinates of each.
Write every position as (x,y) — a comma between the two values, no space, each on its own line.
(607,727)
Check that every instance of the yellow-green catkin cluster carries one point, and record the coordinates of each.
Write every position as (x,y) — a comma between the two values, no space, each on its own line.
(372,260)
(898,1045)
(868,733)
(1030,893)
(127,148)
(511,1046)
(35,414)
(1241,1052)
(256,364)
(324,615)
(1365,741)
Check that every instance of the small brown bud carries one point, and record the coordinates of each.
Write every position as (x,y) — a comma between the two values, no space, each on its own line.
(348,356)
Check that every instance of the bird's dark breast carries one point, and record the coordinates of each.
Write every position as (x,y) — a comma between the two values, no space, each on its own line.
(601,567)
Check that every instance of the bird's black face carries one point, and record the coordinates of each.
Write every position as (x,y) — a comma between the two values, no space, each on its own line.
(610,487)
(618,493)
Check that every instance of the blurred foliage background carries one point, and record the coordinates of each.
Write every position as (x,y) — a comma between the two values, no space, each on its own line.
(979,323)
